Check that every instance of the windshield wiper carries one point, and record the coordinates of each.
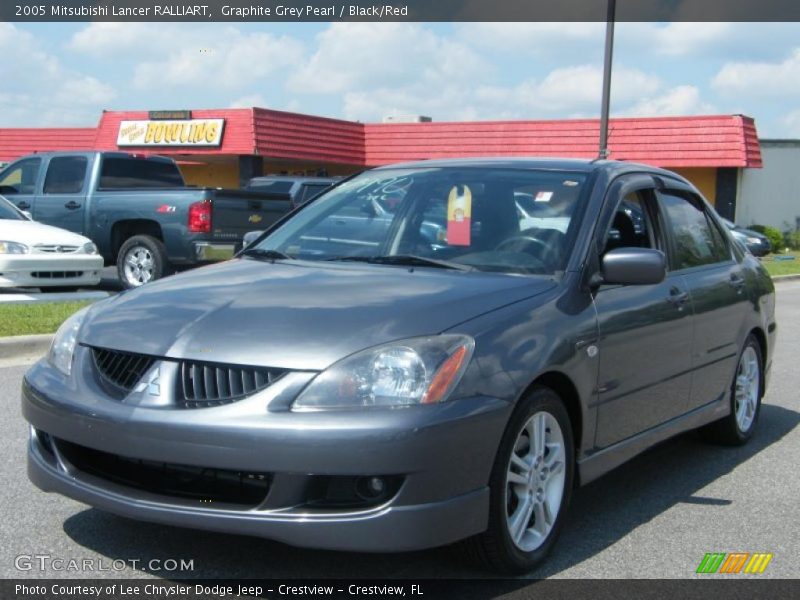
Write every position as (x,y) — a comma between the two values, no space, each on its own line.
(265,254)
(411,260)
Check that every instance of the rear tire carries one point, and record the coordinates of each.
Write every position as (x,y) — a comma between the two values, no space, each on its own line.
(142,259)
(530,486)
(737,427)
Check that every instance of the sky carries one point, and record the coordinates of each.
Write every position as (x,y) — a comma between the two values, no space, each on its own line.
(65,74)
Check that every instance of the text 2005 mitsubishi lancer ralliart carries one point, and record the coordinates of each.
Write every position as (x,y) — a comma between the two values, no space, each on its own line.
(427,353)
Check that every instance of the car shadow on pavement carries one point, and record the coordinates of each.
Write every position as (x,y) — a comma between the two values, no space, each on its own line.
(600,514)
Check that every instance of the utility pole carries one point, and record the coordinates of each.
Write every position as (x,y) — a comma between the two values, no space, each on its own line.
(609,58)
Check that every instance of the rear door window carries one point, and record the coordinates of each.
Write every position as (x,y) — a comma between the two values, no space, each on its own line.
(65,175)
(695,239)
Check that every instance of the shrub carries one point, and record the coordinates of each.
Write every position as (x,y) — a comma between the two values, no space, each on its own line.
(773,234)
(792,239)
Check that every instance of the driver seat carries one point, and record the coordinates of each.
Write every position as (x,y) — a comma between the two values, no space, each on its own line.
(625,233)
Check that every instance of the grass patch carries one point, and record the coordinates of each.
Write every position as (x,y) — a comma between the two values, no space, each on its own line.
(27,319)
(783,267)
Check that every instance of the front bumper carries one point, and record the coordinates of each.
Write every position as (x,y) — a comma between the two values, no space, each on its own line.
(44,270)
(443,453)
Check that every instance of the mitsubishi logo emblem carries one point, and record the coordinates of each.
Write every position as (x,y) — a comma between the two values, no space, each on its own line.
(151,384)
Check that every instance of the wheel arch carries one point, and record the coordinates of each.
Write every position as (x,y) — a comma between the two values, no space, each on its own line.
(761,338)
(562,385)
(125,229)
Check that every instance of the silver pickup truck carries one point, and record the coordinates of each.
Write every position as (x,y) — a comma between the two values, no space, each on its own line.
(137,209)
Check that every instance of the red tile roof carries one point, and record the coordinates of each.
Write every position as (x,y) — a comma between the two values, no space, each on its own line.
(285,135)
(19,142)
(714,141)
(718,141)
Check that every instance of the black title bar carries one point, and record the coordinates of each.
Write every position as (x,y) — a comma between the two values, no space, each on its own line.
(735,588)
(404,10)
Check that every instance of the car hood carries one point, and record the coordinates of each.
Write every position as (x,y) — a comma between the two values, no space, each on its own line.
(295,315)
(32,233)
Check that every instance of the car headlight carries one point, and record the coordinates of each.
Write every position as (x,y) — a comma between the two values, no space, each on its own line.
(753,240)
(13,248)
(89,248)
(405,373)
(64,342)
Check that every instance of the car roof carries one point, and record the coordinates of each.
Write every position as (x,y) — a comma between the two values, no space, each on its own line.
(300,178)
(555,164)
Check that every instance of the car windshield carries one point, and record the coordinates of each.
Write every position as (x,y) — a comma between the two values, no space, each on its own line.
(487,219)
(9,212)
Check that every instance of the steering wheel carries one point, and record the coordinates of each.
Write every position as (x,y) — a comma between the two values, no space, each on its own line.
(523,240)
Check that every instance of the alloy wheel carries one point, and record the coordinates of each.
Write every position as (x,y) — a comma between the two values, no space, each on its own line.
(138,266)
(746,390)
(535,479)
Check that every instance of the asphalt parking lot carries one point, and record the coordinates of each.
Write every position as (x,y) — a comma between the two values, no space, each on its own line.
(655,517)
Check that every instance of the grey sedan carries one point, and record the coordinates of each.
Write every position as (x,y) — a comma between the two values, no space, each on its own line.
(349,382)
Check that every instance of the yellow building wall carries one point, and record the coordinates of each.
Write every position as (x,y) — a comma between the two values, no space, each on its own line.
(310,169)
(703,178)
(211,174)
(226,175)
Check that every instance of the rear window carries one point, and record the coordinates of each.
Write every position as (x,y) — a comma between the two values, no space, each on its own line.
(278,187)
(123,173)
(312,190)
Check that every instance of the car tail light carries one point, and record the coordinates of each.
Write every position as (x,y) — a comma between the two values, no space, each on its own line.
(200,217)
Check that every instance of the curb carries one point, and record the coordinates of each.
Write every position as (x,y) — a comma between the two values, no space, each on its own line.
(779,278)
(33,298)
(24,346)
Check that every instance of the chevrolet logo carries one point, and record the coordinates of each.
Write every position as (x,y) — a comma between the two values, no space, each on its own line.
(255,219)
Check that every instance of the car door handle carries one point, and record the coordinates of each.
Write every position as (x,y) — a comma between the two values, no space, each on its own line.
(736,282)
(72,205)
(677,297)
(23,205)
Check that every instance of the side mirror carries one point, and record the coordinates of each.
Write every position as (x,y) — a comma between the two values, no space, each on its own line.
(250,237)
(633,266)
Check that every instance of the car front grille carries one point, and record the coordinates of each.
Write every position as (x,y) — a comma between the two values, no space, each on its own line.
(53,248)
(207,486)
(122,369)
(208,384)
(198,385)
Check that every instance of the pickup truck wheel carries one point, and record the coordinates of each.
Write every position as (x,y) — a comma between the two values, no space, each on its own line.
(141,259)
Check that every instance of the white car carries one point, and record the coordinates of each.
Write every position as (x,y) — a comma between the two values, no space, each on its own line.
(37,255)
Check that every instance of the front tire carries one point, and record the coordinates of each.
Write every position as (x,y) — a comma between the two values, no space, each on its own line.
(530,486)
(745,399)
(142,259)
